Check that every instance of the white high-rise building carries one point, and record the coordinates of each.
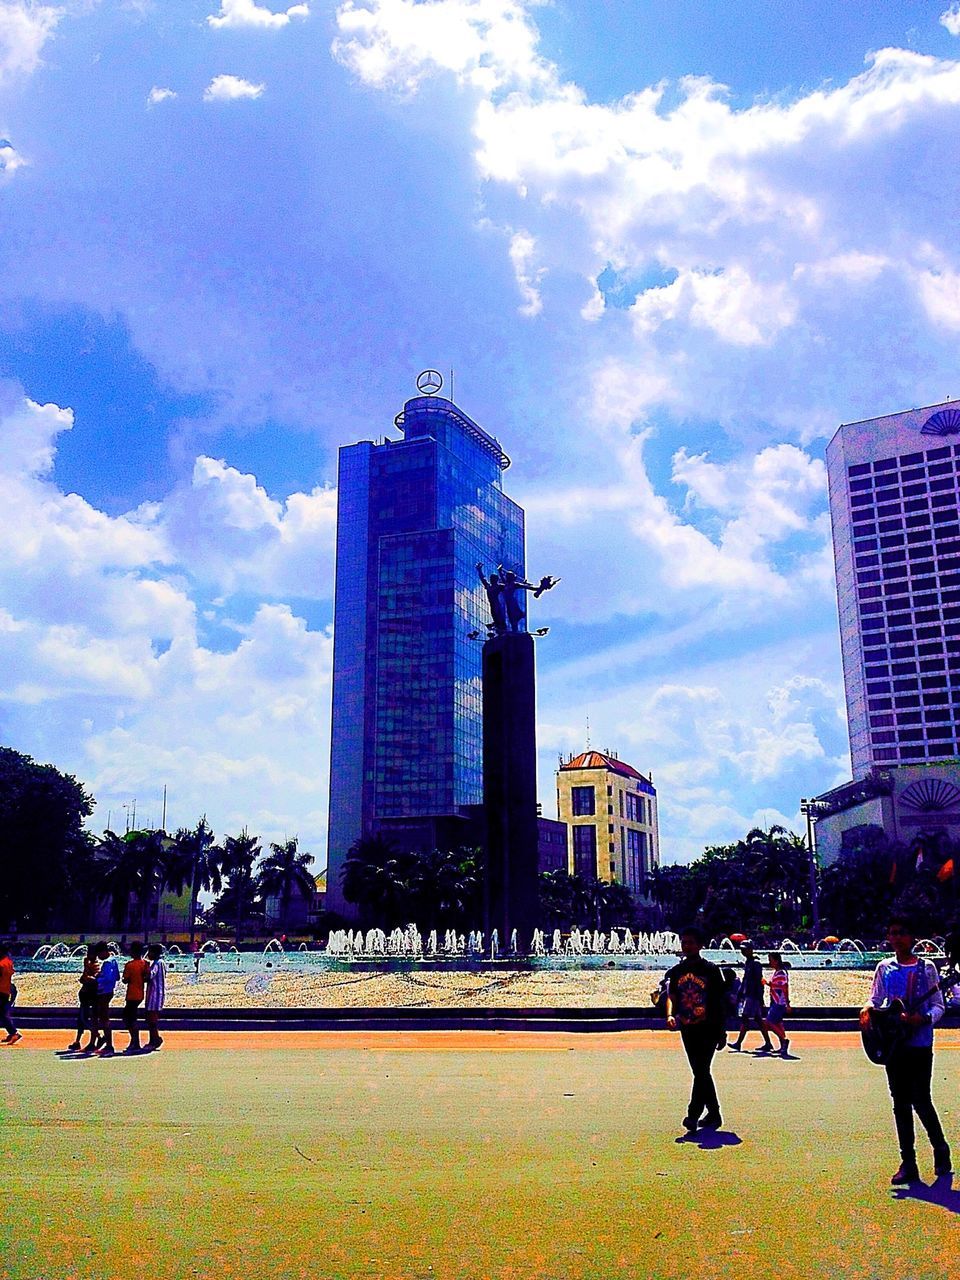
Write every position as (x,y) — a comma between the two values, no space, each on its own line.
(894,496)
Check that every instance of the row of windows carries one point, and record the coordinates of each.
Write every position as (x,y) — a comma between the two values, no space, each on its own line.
(882,465)
(923,575)
(867,520)
(928,750)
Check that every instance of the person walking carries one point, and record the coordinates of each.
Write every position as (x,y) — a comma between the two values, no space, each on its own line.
(696,1005)
(156,994)
(135,976)
(87,1000)
(751,999)
(8,994)
(107,979)
(779,984)
(908,988)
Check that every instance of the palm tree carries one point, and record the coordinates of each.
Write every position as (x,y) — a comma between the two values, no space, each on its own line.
(446,888)
(134,865)
(285,871)
(199,852)
(379,878)
(239,854)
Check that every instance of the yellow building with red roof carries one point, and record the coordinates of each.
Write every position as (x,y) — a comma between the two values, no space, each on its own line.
(610,809)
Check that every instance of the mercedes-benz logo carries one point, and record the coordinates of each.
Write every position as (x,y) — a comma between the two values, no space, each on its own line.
(429,382)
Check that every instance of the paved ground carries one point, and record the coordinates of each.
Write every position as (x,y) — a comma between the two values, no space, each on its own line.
(220,985)
(436,1155)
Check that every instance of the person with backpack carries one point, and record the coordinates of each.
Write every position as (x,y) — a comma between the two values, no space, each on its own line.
(107,980)
(906,992)
(696,1006)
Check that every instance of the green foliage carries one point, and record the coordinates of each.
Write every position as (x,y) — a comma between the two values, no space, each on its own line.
(131,868)
(285,872)
(874,876)
(394,887)
(759,882)
(197,863)
(568,900)
(239,900)
(45,853)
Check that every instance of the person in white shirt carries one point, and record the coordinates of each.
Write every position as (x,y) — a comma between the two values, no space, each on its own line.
(910,987)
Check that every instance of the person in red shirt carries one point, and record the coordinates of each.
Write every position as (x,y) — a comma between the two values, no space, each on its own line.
(135,976)
(7,992)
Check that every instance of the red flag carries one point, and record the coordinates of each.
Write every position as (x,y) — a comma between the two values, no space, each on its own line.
(946,871)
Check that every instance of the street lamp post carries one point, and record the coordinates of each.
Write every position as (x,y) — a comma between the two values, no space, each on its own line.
(809,809)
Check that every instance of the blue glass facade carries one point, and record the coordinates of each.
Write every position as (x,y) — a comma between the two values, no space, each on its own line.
(414,517)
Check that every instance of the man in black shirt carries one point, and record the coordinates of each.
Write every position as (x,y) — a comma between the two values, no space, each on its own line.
(696,1004)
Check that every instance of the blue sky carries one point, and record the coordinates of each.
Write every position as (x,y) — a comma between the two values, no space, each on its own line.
(667,249)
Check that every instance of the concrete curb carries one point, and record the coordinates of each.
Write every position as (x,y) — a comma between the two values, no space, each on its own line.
(413,1019)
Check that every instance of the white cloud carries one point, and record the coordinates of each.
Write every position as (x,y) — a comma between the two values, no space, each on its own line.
(226,88)
(489,44)
(247,13)
(523,250)
(158,94)
(104,612)
(951,19)
(24,30)
(10,159)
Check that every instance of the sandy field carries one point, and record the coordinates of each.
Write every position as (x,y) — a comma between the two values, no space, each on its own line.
(546,989)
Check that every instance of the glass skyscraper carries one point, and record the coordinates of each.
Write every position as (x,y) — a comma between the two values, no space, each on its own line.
(894,490)
(414,518)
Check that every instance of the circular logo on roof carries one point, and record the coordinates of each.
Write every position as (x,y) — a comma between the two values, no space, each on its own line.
(930,796)
(429,383)
(945,422)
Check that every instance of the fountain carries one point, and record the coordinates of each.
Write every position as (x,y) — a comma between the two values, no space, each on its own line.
(273,945)
(210,947)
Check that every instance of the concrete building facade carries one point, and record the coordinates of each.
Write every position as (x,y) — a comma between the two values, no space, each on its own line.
(610,809)
(894,493)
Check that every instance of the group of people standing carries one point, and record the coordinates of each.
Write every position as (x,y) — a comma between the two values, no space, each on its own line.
(144,979)
(906,991)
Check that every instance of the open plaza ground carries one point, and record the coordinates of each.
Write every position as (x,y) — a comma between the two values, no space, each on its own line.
(220,984)
(431,1155)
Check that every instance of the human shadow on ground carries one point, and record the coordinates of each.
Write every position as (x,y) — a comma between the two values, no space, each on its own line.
(710,1139)
(940,1192)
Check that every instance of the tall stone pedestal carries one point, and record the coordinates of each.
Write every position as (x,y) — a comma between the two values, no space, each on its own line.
(510,787)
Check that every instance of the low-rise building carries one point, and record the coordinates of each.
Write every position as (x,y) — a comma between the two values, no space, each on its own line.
(908,802)
(610,809)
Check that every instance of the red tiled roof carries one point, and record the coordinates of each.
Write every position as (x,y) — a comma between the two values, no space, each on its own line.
(597,760)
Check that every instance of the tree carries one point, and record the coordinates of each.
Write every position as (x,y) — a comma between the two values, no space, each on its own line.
(198,851)
(239,855)
(284,872)
(379,878)
(44,850)
(446,889)
(132,869)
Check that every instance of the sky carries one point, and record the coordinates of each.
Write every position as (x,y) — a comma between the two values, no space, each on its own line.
(666,248)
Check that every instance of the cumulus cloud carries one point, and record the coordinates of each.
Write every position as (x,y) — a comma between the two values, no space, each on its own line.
(488,44)
(951,19)
(113,646)
(158,94)
(24,30)
(10,159)
(784,226)
(226,88)
(247,13)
